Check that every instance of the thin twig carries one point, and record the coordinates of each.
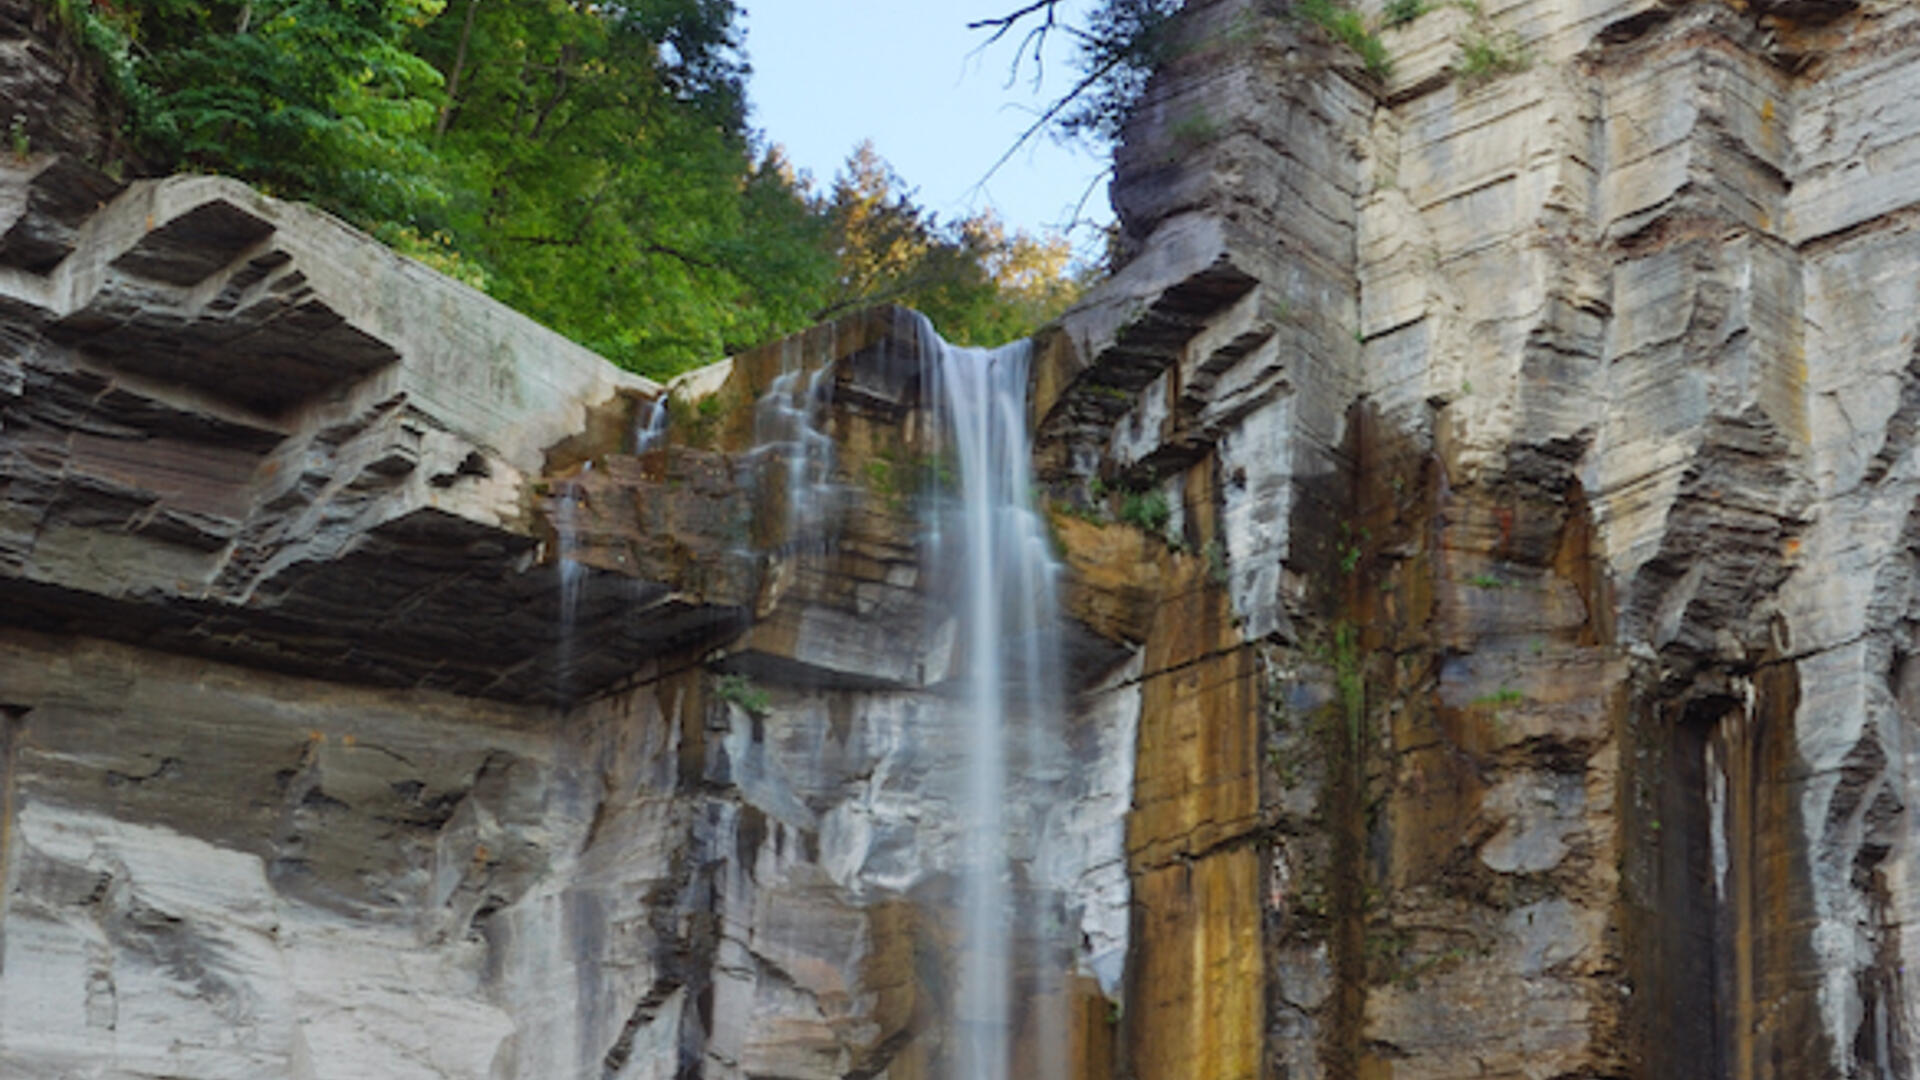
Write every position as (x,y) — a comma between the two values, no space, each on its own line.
(1046,117)
(1074,220)
(1005,23)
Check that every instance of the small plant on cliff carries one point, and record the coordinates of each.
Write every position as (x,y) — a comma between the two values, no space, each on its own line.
(1348,27)
(1504,696)
(1190,131)
(1348,681)
(1486,53)
(1147,510)
(1216,556)
(740,690)
(1402,12)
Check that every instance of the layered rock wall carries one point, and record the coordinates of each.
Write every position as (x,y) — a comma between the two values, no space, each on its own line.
(380,700)
(1487,500)
(1518,401)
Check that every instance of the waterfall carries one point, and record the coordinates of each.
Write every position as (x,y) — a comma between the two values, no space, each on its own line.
(573,576)
(1003,585)
(650,428)
(786,424)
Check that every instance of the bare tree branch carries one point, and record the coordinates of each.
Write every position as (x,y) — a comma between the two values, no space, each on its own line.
(1047,117)
(459,68)
(1075,220)
(1001,25)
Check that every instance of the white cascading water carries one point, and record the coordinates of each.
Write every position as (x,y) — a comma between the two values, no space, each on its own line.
(992,561)
(786,424)
(650,427)
(1004,590)
(573,576)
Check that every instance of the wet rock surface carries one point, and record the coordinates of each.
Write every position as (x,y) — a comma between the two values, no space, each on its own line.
(376,705)
(1487,498)
(1534,445)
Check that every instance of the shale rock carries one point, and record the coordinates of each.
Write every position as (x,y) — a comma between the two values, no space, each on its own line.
(1487,497)
(1541,413)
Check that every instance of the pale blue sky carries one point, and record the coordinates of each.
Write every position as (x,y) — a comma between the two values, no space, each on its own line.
(905,73)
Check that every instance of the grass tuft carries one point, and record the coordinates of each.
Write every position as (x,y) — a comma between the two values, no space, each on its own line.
(1348,27)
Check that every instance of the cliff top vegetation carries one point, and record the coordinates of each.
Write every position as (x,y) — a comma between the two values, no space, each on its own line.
(587,163)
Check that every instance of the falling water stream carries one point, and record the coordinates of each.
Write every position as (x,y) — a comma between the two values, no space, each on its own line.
(991,563)
(786,424)
(650,426)
(573,577)
(1004,590)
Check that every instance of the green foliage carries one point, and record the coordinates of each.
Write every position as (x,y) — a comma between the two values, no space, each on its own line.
(978,284)
(1147,510)
(106,30)
(696,423)
(1348,681)
(1348,27)
(435,249)
(740,690)
(317,99)
(602,175)
(1349,558)
(1486,53)
(1402,12)
(880,478)
(1486,581)
(1506,695)
(1121,44)
(589,164)
(1195,129)
(1216,555)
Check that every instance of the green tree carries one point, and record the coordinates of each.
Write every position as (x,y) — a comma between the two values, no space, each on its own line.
(605,180)
(978,284)
(585,162)
(315,99)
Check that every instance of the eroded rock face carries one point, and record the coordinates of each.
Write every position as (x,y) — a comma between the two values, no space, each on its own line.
(1488,504)
(1543,420)
(236,427)
(375,705)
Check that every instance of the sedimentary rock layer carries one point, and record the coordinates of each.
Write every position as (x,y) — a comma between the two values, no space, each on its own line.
(1540,405)
(303,772)
(1487,496)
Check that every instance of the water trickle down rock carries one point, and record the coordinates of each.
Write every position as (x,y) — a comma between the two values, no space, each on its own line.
(1515,677)
(1001,581)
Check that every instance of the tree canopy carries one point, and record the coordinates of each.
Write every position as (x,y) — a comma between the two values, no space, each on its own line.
(588,163)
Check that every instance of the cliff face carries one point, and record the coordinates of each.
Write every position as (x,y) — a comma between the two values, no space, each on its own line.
(380,701)
(1541,411)
(1487,501)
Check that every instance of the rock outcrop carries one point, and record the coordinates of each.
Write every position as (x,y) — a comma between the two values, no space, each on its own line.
(1487,498)
(379,700)
(1540,408)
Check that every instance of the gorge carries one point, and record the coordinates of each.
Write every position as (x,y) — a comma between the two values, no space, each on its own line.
(1480,512)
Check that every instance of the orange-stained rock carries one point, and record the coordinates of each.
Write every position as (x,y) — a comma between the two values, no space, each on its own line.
(1197,770)
(1197,985)
(1114,576)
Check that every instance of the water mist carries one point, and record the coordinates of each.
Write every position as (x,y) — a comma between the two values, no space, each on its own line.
(1003,586)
